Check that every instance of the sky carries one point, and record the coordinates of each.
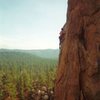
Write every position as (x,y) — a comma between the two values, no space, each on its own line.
(31,24)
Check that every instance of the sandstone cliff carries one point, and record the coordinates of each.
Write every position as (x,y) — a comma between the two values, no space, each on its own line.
(78,73)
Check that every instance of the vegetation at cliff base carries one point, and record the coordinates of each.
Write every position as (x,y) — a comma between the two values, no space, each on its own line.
(25,76)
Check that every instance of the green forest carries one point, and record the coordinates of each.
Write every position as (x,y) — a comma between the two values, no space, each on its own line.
(26,76)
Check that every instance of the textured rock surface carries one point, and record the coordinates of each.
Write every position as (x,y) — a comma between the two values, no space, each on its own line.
(78,74)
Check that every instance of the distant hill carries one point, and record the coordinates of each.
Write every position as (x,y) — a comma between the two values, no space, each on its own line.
(11,56)
(46,53)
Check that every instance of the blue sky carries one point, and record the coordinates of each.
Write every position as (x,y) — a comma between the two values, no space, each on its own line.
(31,24)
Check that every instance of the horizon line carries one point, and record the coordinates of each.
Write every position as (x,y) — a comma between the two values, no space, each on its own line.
(29,49)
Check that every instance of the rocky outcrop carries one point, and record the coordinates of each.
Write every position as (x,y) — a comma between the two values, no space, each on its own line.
(78,73)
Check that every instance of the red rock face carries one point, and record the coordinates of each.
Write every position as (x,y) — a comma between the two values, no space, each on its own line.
(78,73)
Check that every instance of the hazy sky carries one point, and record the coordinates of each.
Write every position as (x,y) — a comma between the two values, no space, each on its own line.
(31,24)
